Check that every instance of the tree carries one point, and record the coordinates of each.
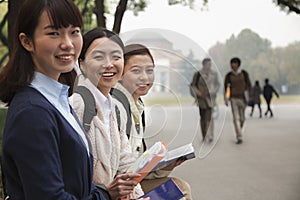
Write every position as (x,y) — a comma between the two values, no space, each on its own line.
(247,45)
(289,5)
(99,8)
(3,33)
(281,64)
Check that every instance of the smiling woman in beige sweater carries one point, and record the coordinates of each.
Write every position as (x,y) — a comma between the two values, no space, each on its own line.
(101,62)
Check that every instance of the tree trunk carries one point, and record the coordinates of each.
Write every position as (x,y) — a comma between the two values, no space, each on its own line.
(99,11)
(120,10)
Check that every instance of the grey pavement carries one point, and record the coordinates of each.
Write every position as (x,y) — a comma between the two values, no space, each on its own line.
(265,167)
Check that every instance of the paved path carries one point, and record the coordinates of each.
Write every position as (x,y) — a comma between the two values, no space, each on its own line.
(265,167)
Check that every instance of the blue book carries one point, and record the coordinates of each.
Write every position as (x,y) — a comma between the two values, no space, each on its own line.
(165,191)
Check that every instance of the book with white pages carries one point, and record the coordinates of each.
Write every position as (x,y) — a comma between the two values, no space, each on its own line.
(184,152)
(148,160)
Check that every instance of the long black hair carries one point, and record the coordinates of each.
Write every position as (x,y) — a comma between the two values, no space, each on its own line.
(19,70)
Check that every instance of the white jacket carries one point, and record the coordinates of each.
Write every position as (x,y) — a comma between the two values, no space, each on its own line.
(112,153)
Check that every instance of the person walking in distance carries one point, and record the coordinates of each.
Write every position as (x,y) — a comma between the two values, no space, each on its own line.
(238,90)
(268,95)
(257,91)
(205,85)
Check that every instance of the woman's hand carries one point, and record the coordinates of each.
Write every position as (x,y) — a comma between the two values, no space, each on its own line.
(122,185)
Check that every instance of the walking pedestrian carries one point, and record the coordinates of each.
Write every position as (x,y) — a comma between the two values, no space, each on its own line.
(256,100)
(238,91)
(268,95)
(205,85)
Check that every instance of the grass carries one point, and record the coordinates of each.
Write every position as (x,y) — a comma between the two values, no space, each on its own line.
(170,101)
(287,99)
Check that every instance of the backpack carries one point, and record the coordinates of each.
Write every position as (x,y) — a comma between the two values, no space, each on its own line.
(192,92)
(90,109)
(121,97)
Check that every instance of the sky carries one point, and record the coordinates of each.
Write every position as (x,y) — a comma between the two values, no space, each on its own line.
(219,21)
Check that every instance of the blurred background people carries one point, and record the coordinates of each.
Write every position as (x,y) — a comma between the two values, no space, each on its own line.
(256,100)
(205,85)
(268,91)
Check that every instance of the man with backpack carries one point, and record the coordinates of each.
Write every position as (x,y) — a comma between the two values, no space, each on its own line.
(238,91)
(205,85)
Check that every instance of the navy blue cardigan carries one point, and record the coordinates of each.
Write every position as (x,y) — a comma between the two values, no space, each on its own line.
(43,157)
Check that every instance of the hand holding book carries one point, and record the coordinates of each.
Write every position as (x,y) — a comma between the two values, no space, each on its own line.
(171,165)
(148,160)
(157,158)
(176,156)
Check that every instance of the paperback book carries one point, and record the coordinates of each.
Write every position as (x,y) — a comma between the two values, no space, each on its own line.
(148,160)
(165,191)
(184,152)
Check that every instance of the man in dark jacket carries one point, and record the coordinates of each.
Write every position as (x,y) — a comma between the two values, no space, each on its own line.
(268,94)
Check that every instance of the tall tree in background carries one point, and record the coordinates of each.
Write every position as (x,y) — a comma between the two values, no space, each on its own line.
(99,8)
(281,64)
(247,45)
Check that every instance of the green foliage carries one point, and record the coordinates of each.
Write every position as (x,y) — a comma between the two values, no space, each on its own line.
(189,3)
(3,9)
(87,9)
(137,6)
(291,62)
(3,49)
(280,65)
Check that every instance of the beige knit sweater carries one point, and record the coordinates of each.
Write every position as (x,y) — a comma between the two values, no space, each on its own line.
(112,153)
